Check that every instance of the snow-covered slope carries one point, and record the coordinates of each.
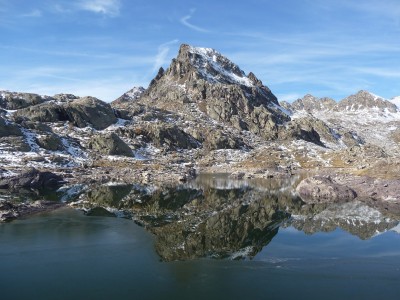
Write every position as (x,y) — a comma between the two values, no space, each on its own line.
(216,68)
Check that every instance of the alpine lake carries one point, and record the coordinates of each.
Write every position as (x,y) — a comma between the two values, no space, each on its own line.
(211,238)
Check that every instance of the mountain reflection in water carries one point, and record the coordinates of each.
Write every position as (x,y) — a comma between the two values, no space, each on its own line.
(220,217)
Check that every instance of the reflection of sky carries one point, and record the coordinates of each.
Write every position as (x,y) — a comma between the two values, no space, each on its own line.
(65,255)
(292,244)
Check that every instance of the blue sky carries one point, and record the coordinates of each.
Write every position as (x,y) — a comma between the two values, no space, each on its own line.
(104,47)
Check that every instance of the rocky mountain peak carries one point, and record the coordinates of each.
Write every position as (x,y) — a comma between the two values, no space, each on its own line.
(366,100)
(311,103)
(131,95)
(215,86)
(210,65)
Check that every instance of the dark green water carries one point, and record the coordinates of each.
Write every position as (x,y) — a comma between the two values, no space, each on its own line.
(66,255)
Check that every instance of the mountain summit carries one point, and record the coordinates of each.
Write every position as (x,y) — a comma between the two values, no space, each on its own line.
(207,81)
(366,100)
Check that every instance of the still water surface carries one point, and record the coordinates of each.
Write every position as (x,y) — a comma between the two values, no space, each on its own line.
(67,255)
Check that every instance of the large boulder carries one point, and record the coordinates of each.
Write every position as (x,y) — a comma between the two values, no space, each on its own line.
(31,179)
(44,112)
(320,189)
(110,144)
(90,111)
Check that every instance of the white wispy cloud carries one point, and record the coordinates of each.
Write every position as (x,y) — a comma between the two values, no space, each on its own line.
(163,51)
(105,7)
(36,13)
(185,21)
(378,71)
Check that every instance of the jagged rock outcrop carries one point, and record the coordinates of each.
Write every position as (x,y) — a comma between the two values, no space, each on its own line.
(216,139)
(14,100)
(310,104)
(219,89)
(169,136)
(365,100)
(81,112)
(110,144)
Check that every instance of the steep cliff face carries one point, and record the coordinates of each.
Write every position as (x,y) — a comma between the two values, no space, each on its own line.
(205,79)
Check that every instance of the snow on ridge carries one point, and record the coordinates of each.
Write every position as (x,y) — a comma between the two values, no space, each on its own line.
(396,101)
(376,97)
(135,92)
(213,58)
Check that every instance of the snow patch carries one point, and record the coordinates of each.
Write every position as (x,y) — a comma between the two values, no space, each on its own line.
(215,60)
(396,100)
(70,192)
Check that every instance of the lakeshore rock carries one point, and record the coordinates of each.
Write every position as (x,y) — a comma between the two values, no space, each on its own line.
(10,211)
(31,179)
(320,189)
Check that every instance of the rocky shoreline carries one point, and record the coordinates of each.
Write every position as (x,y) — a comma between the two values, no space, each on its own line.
(10,211)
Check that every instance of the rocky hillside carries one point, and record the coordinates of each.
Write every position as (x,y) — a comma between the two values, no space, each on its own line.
(369,118)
